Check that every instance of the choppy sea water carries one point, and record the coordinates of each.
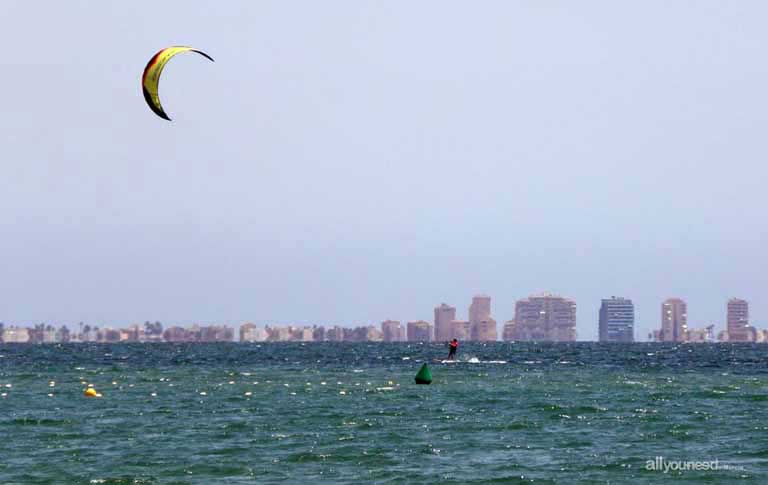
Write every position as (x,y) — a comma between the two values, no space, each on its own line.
(350,413)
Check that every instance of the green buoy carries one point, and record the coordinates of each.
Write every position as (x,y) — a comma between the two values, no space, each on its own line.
(424,376)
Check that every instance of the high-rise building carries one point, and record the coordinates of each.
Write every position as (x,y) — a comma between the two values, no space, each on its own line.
(546,318)
(419,331)
(444,315)
(479,311)
(617,320)
(738,321)
(391,330)
(674,320)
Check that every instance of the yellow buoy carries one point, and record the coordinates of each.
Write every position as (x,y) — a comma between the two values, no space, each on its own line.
(91,392)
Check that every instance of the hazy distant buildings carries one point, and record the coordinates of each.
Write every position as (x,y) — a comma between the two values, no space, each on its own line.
(486,330)
(617,320)
(701,335)
(16,335)
(335,334)
(508,334)
(250,332)
(196,333)
(444,316)
(391,331)
(368,333)
(544,318)
(674,320)
(303,334)
(460,329)
(216,333)
(738,322)
(419,331)
(481,326)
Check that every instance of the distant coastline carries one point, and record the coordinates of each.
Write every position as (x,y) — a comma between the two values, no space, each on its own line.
(248,333)
(538,318)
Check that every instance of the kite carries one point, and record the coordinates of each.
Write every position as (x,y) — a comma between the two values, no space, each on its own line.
(150,80)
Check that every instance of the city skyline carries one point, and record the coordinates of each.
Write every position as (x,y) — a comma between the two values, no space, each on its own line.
(541,317)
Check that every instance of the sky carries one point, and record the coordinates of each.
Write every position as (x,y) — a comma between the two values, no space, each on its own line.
(351,162)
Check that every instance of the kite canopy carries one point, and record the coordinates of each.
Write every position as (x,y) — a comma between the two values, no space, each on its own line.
(150,80)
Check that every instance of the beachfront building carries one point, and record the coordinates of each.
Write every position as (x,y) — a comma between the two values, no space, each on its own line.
(508,333)
(617,320)
(544,318)
(701,335)
(367,333)
(444,315)
(335,334)
(479,311)
(737,318)
(460,329)
(216,333)
(419,331)
(485,330)
(16,335)
(674,320)
(391,331)
(761,336)
(304,334)
(250,332)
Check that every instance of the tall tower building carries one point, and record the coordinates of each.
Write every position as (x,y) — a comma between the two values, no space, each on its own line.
(444,315)
(481,325)
(674,320)
(617,320)
(738,321)
(544,318)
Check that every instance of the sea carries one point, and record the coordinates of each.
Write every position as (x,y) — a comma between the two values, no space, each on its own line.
(352,413)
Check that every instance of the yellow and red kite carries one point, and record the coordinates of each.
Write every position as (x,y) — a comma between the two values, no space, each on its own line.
(150,80)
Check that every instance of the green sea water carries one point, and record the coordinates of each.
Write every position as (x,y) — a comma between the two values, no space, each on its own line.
(351,413)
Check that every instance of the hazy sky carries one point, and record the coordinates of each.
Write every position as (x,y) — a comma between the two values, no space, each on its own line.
(349,162)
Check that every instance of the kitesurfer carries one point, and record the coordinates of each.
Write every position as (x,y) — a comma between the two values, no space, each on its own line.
(453,346)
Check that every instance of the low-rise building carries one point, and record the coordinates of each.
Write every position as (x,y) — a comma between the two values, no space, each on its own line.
(419,331)
(16,335)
